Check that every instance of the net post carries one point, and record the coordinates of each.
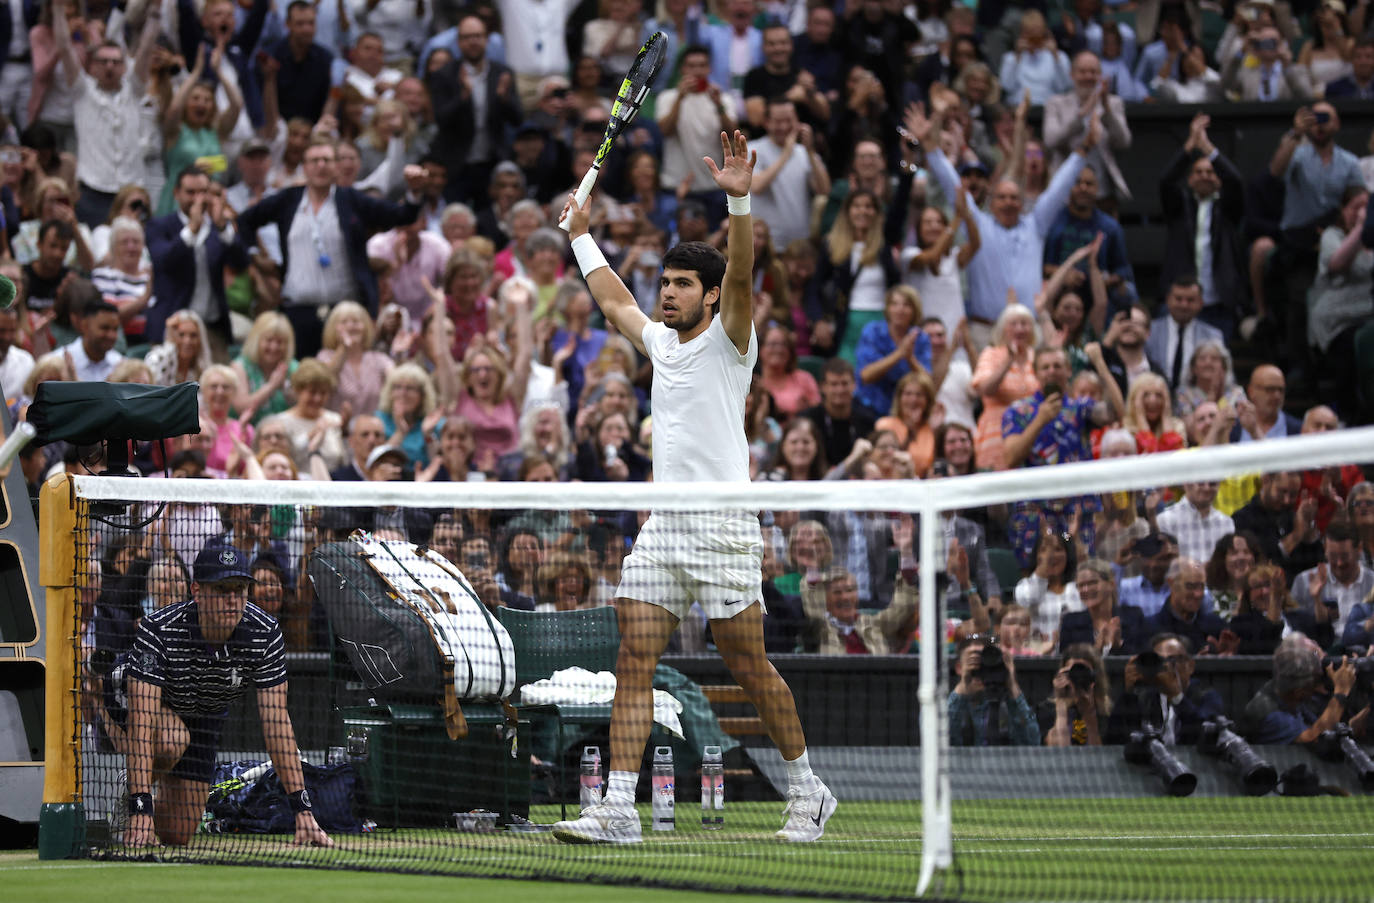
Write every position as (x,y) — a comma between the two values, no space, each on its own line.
(936,842)
(61,820)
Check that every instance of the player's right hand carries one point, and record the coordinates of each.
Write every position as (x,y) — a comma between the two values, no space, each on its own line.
(578,218)
(309,833)
(140,832)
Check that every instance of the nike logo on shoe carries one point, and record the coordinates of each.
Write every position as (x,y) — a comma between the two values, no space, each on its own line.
(820,807)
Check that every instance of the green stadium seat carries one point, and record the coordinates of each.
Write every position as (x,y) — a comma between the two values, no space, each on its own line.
(1213,25)
(1007,569)
(551,641)
(812,364)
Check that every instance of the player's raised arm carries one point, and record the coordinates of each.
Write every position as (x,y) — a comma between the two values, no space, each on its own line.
(734,176)
(611,295)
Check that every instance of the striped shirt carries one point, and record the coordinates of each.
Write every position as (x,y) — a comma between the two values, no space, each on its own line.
(197,678)
(115,285)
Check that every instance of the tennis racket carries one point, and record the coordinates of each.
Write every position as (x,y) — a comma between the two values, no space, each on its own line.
(628,100)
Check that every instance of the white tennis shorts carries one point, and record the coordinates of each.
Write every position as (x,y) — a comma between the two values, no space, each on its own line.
(715,559)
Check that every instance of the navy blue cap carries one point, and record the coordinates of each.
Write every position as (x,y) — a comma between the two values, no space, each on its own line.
(972,166)
(221,561)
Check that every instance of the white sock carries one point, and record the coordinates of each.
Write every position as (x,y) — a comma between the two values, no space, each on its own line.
(620,789)
(799,774)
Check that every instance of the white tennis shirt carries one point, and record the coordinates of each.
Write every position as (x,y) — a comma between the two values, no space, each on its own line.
(698,404)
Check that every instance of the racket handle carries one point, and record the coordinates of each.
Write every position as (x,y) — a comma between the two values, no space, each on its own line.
(583,191)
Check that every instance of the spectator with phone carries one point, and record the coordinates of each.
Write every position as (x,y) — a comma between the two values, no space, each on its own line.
(1160,690)
(1047,428)
(1276,77)
(691,117)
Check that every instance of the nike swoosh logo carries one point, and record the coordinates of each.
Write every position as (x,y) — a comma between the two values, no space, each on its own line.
(816,819)
(737,602)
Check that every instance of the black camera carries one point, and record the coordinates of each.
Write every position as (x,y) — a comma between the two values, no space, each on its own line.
(1149,665)
(1364,666)
(1257,776)
(1338,744)
(1082,676)
(992,668)
(1146,748)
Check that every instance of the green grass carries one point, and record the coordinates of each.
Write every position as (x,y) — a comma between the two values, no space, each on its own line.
(1160,849)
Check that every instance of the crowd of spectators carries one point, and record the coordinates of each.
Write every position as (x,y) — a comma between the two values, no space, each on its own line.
(338,218)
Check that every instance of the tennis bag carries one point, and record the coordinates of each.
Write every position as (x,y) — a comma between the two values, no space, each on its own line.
(412,625)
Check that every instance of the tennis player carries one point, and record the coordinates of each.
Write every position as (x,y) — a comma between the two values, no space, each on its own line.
(189,661)
(703,355)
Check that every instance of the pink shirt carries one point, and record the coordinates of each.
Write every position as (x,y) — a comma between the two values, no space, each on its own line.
(218,458)
(496,429)
(406,277)
(796,391)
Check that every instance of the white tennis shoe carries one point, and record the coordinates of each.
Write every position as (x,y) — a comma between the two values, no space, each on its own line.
(602,824)
(807,812)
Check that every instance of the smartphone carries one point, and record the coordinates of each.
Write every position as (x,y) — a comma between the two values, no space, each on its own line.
(1267,44)
(701,85)
(1322,117)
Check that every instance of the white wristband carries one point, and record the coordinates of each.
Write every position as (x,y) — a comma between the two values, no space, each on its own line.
(737,206)
(589,256)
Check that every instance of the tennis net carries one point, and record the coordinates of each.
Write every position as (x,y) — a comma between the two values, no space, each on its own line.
(432,636)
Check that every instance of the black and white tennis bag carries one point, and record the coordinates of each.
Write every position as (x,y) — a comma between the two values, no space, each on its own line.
(411,624)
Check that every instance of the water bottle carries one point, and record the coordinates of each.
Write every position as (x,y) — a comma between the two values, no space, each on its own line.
(712,789)
(665,788)
(591,777)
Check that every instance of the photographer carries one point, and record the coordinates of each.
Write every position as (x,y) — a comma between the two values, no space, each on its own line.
(1081,694)
(986,706)
(1296,706)
(1160,690)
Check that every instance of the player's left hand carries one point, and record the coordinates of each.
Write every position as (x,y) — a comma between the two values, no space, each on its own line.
(736,171)
(309,833)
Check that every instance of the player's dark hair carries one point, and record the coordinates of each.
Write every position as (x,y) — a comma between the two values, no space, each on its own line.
(706,261)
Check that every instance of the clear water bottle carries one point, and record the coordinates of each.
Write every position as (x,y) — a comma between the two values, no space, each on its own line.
(592,790)
(712,789)
(665,789)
